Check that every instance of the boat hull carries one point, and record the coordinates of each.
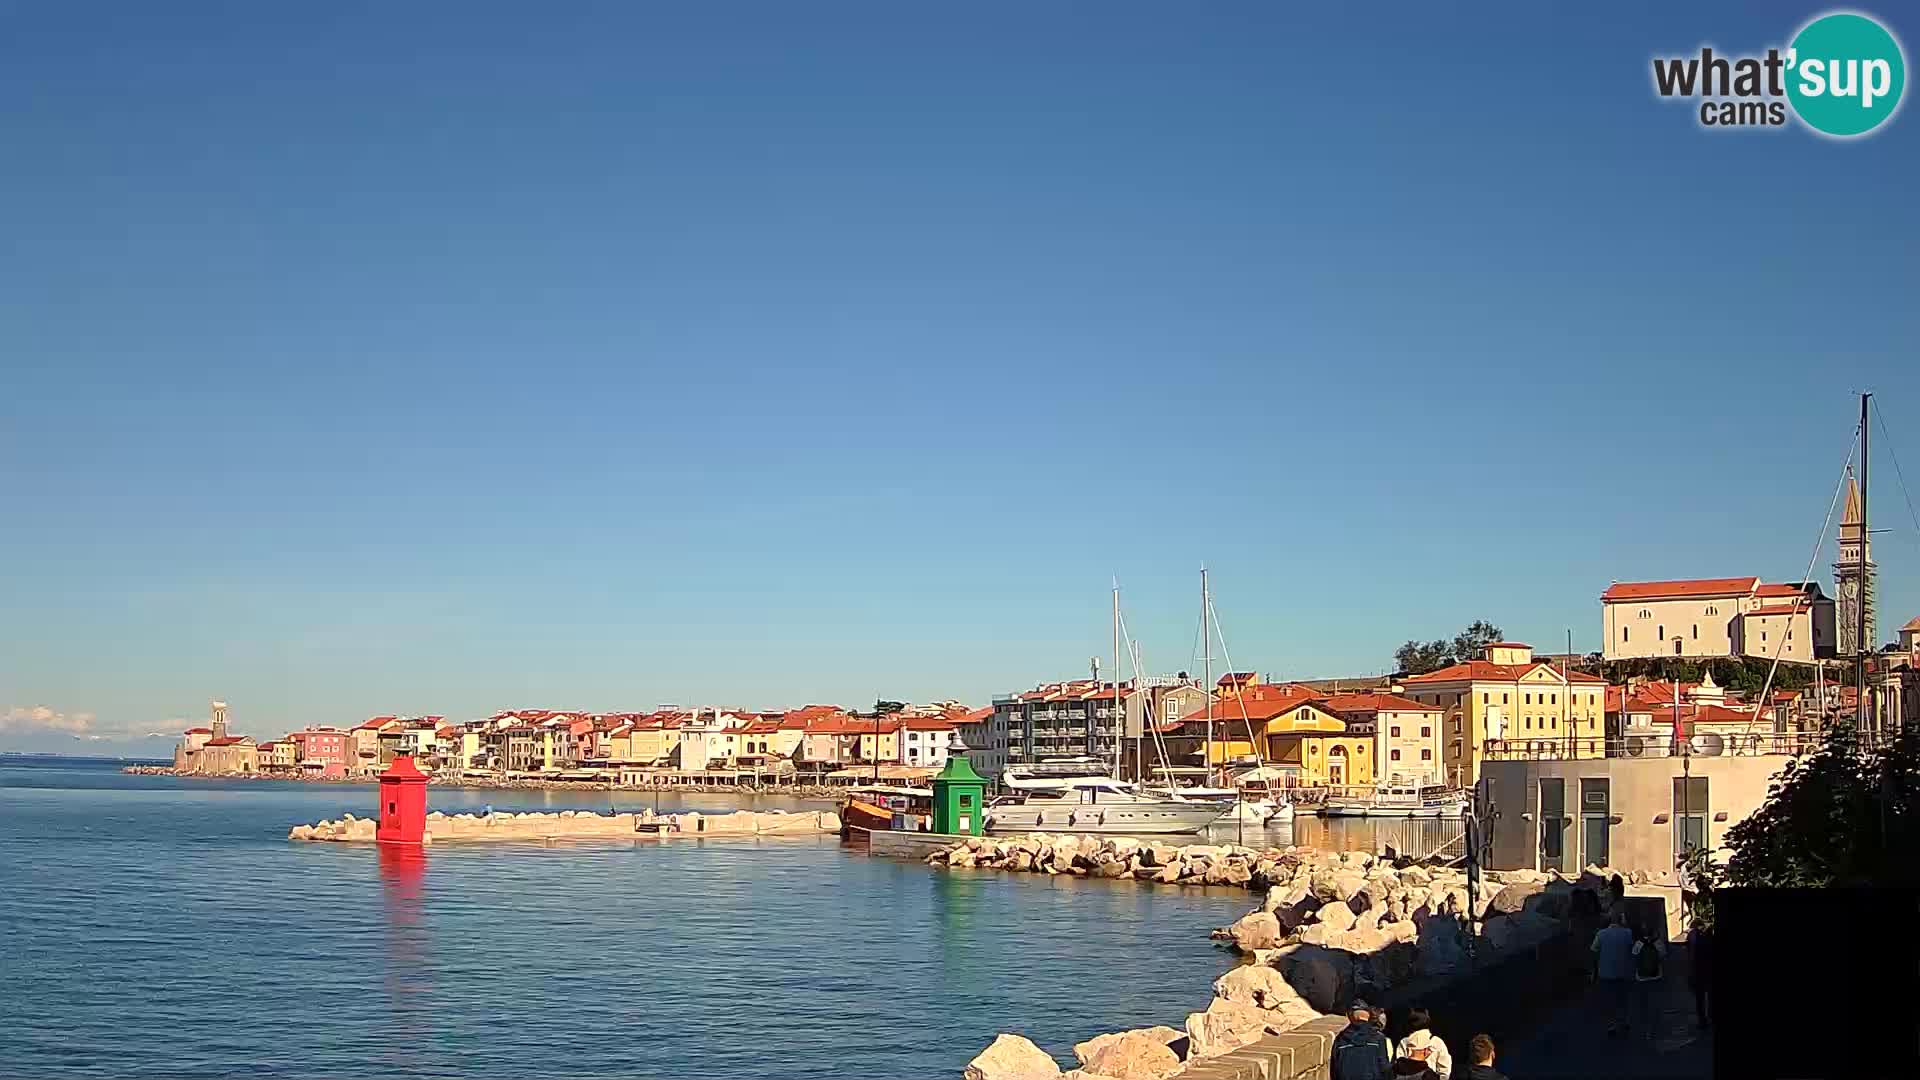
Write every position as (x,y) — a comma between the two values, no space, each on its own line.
(1349,810)
(1125,819)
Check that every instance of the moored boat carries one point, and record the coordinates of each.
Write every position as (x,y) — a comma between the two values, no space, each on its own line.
(888,807)
(1097,805)
(1398,801)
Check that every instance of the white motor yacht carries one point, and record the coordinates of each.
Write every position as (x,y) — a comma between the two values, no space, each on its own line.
(1095,804)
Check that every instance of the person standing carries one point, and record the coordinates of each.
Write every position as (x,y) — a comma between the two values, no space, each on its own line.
(1421,1045)
(1647,971)
(1700,973)
(1360,1050)
(1380,1021)
(1613,969)
(1481,1051)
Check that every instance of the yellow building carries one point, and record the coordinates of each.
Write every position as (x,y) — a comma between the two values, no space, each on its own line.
(1509,695)
(1295,731)
(1324,750)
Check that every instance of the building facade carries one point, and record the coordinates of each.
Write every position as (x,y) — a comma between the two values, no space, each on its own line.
(212,750)
(1509,695)
(320,752)
(1714,618)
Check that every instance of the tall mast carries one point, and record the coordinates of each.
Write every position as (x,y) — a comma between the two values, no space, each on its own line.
(1861,644)
(1206,676)
(1119,723)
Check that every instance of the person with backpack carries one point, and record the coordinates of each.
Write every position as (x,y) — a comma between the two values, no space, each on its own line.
(1422,1050)
(1360,1050)
(1648,966)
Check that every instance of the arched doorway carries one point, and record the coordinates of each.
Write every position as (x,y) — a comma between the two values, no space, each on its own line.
(1337,766)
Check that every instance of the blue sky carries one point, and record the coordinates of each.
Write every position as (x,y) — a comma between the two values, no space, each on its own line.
(449,357)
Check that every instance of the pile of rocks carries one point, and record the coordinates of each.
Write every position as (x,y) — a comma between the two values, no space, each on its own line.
(583,825)
(1122,857)
(1333,927)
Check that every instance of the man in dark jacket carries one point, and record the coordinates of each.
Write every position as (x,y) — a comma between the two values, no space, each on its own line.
(1700,974)
(1360,1050)
(1480,1050)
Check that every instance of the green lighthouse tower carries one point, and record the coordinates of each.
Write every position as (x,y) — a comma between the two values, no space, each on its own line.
(959,794)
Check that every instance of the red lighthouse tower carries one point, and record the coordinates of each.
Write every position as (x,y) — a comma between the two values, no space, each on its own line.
(403,804)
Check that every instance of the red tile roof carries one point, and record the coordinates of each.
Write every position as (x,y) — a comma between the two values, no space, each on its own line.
(1509,645)
(983,713)
(1912,624)
(929,723)
(1777,609)
(199,731)
(231,740)
(1669,590)
(1488,671)
(1370,703)
(1262,702)
(1779,590)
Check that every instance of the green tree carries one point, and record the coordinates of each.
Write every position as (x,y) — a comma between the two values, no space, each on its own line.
(1471,642)
(1844,815)
(884,707)
(1420,657)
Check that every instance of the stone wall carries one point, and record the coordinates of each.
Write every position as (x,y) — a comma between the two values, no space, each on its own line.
(584,825)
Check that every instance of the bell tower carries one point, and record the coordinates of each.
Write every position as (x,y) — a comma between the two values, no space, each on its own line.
(219,723)
(1853,577)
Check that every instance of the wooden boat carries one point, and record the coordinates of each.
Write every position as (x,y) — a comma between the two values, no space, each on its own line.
(878,807)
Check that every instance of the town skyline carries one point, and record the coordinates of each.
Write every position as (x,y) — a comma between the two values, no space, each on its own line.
(856,355)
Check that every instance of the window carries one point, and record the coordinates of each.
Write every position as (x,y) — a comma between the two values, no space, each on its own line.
(1645,614)
(1623,633)
(1529,699)
(1394,756)
(1426,732)
(1503,699)
(1689,814)
(1696,631)
(1711,610)
(1527,723)
(1425,754)
(1660,632)
(1394,731)
(1484,696)
(1456,725)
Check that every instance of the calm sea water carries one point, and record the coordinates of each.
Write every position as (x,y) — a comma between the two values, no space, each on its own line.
(156,927)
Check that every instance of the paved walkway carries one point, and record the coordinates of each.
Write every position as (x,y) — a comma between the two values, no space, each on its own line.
(1572,1043)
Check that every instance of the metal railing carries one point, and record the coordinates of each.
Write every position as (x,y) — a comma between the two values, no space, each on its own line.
(1654,745)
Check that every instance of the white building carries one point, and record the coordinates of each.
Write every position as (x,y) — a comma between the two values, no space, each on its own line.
(1713,618)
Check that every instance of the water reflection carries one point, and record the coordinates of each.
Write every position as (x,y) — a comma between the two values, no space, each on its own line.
(405,975)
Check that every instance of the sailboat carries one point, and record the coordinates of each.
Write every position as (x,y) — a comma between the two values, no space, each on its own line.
(1098,804)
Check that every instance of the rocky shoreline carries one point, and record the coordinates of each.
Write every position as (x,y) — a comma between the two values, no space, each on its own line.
(796,791)
(581,825)
(1332,928)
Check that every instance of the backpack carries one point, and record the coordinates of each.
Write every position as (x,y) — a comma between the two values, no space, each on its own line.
(1359,1055)
(1647,964)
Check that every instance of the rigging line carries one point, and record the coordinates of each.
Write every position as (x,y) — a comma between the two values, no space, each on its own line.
(1140,680)
(1880,418)
(1766,689)
(1259,759)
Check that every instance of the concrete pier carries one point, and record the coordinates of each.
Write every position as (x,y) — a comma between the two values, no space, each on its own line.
(581,825)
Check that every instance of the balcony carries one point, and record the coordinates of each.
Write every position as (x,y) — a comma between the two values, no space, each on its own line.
(1648,744)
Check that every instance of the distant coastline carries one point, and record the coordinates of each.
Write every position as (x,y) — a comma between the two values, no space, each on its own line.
(800,791)
(14,757)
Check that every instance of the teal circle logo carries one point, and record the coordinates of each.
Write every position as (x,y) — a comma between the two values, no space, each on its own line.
(1845,74)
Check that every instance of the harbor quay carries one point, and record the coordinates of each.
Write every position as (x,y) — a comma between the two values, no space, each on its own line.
(542,826)
(1333,929)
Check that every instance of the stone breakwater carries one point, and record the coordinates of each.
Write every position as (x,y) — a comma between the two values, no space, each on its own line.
(582,825)
(1332,928)
(797,791)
